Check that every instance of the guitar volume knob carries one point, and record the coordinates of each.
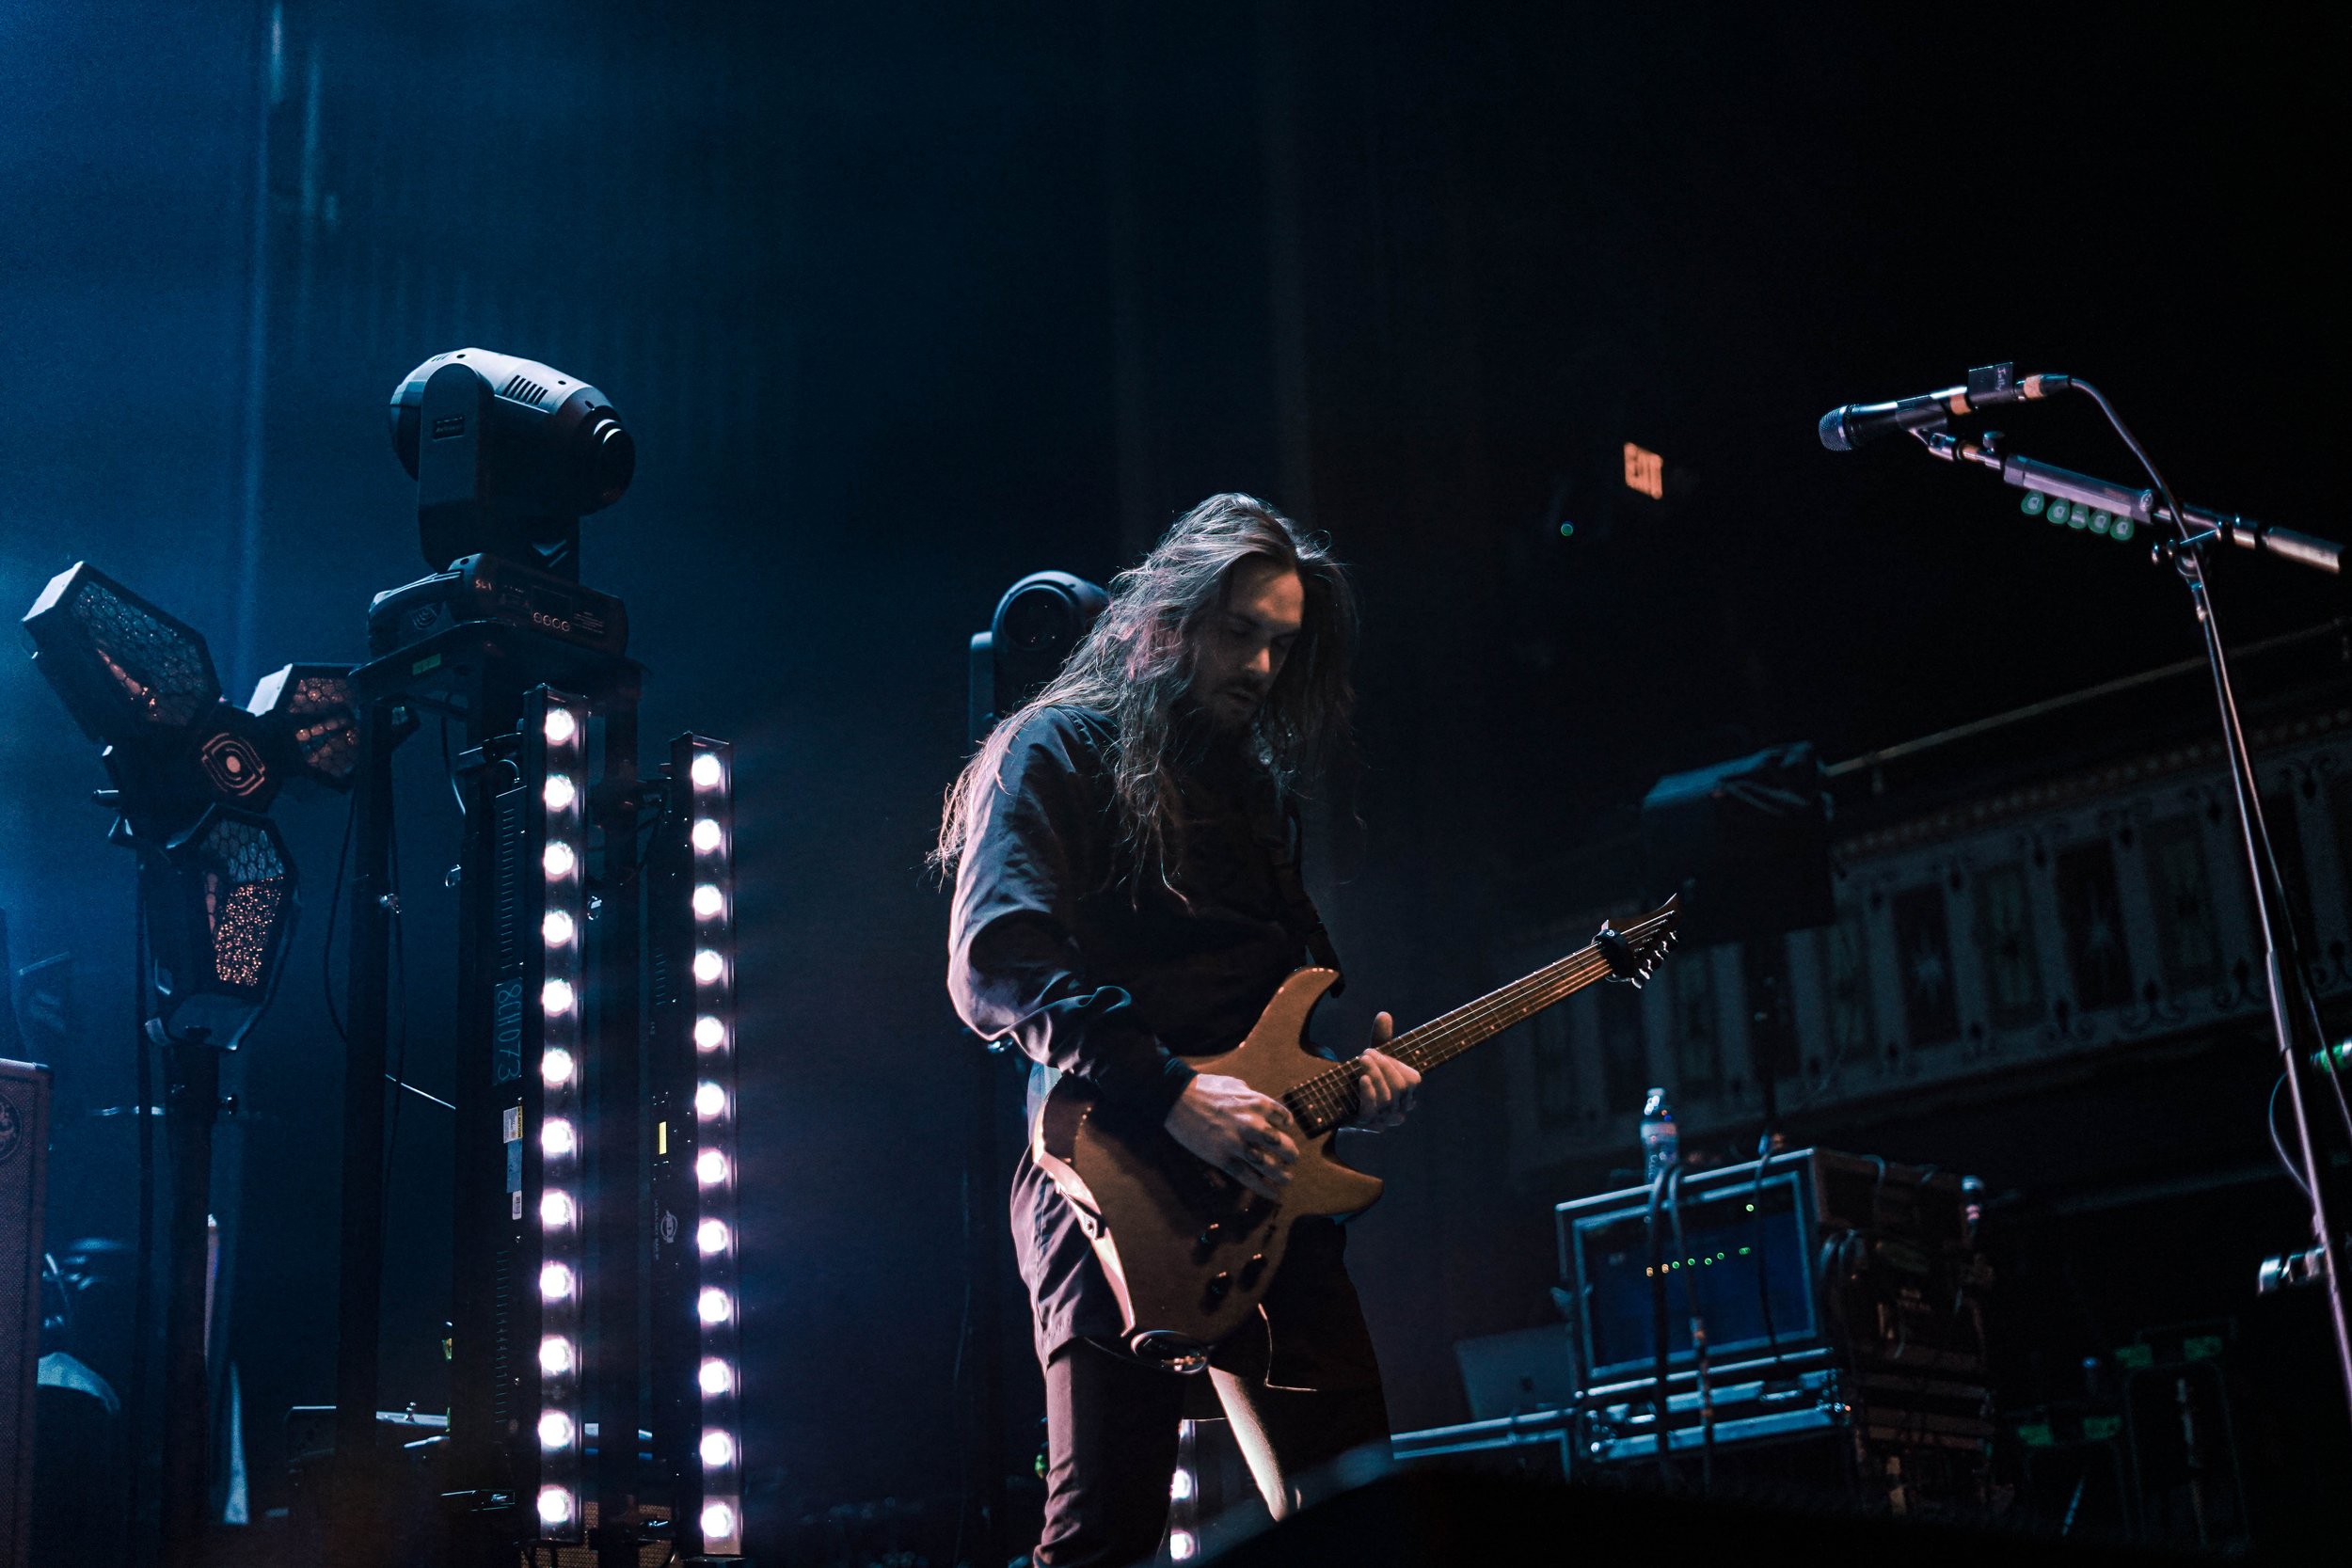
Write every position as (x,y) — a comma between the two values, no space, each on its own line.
(1251,1270)
(1221,1285)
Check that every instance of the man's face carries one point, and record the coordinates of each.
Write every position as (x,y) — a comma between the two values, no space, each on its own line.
(1239,649)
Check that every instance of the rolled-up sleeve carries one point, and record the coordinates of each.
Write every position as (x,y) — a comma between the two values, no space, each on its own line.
(1037,843)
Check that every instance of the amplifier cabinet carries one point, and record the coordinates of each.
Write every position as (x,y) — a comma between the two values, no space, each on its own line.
(1841,1300)
(24,1169)
(1809,1249)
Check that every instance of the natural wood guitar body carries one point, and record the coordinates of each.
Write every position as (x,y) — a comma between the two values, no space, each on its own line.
(1190,1251)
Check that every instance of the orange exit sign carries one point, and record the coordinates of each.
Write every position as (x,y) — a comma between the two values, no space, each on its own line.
(1646,471)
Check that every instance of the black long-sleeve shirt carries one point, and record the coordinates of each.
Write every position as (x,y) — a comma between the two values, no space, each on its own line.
(1096,967)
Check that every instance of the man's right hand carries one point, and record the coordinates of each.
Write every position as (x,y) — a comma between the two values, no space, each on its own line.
(1242,1133)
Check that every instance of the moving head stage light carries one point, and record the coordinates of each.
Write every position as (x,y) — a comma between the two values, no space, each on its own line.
(508,455)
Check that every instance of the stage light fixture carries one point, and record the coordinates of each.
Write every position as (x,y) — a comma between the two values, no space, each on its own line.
(710,1101)
(554,736)
(555,1355)
(310,722)
(508,455)
(711,1167)
(710,967)
(714,1307)
(715,1376)
(125,670)
(710,1033)
(220,905)
(555,1430)
(711,1236)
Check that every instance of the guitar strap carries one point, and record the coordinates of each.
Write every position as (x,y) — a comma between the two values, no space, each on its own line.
(1282,833)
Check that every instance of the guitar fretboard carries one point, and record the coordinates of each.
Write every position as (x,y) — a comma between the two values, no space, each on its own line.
(1329,1099)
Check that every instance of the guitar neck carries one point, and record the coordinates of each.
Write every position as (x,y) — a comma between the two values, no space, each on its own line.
(1444,1038)
(1328,1099)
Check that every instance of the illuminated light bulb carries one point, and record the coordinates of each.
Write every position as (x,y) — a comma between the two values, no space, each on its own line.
(555,1209)
(555,1067)
(709,903)
(710,1033)
(706,835)
(718,1522)
(705,771)
(555,1355)
(711,1167)
(555,1503)
(555,1430)
(714,1305)
(555,998)
(556,1139)
(710,1101)
(716,1376)
(710,966)
(1181,1545)
(561,726)
(558,861)
(718,1449)
(711,1236)
(558,792)
(557,929)
(1180,1489)
(555,1281)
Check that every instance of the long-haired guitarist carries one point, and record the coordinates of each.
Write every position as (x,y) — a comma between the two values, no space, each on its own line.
(1126,895)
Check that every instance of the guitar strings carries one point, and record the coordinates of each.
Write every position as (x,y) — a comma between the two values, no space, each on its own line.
(1330,1095)
(1330,1098)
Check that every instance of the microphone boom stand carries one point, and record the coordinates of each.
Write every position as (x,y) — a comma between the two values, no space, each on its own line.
(2194,529)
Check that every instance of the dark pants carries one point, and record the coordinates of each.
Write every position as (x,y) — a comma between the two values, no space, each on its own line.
(1111,1420)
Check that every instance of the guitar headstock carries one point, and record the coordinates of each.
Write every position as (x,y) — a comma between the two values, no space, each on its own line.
(1634,953)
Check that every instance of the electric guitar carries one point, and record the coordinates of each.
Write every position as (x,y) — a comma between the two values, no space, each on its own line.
(1190,1252)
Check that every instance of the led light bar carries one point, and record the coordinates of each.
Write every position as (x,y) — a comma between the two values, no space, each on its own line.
(698,1364)
(552,1198)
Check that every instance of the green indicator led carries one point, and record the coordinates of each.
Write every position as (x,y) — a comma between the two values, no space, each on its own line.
(2058,510)
(2031,506)
(1743,1252)
(2121,531)
(2099,521)
(1567,528)
(1751,1208)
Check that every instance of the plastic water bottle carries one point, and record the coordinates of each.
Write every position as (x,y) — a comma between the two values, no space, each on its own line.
(1661,1145)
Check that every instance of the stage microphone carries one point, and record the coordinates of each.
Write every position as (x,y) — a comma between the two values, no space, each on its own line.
(1987,386)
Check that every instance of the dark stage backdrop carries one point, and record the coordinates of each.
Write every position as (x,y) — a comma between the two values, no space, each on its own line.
(906,301)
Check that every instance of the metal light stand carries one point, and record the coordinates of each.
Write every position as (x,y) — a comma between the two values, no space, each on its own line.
(481,674)
(191,1104)
(2284,969)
